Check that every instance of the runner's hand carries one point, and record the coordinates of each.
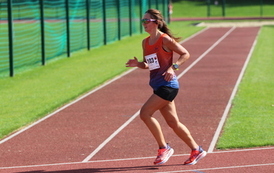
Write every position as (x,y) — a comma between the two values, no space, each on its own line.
(132,62)
(169,74)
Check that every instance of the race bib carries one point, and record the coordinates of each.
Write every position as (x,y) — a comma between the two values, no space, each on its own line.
(152,61)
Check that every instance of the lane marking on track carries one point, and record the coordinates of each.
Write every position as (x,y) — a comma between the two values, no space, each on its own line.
(137,113)
(206,52)
(67,105)
(229,104)
(110,137)
(222,168)
(179,155)
(128,159)
(194,35)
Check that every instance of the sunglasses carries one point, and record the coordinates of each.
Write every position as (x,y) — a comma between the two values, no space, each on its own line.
(146,21)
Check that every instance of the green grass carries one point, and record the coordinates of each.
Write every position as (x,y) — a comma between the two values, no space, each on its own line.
(32,94)
(237,8)
(251,120)
(189,9)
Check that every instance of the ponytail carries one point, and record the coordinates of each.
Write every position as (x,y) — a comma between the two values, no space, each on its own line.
(162,26)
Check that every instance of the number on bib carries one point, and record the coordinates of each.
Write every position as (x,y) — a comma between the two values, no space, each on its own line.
(152,61)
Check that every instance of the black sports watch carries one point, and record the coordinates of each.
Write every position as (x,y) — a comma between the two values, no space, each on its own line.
(175,66)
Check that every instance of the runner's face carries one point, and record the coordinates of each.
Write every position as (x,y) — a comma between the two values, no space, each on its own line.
(149,25)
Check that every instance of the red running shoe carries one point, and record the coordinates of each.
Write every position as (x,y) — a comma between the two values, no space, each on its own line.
(195,156)
(163,155)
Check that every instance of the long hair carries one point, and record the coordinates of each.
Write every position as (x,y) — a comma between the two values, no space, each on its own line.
(162,26)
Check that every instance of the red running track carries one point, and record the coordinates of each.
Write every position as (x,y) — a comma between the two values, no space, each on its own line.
(101,131)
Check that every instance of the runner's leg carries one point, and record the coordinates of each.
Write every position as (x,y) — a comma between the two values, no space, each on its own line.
(170,114)
(153,104)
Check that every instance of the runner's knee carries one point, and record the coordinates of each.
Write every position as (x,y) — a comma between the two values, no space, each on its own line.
(173,124)
(145,114)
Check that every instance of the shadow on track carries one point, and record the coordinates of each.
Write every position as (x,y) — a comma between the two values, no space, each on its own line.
(116,169)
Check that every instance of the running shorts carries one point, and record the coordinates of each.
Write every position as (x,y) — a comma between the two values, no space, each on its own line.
(166,93)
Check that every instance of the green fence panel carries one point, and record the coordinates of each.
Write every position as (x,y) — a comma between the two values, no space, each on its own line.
(216,8)
(42,30)
(4,43)
(55,28)
(111,21)
(78,25)
(96,24)
(124,18)
(267,8)
(251,8)
(26,34)
(190,8)
(221,8)
(136,15)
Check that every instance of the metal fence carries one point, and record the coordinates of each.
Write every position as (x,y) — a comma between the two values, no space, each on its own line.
(223,8)
(230,8)
(35,31)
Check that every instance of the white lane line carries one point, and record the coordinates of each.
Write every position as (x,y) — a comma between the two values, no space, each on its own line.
(137,113)
(179,155)
(128,159)
(194,35)
(222,168)
(206,52)
(64,107)
(228,106)
(110,137)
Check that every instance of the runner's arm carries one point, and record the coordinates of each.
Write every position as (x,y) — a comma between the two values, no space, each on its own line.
(172,45)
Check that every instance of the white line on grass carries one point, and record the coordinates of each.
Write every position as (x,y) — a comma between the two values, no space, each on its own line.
(228,106)
(137,113)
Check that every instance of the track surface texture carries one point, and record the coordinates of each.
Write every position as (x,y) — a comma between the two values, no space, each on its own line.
(101,131)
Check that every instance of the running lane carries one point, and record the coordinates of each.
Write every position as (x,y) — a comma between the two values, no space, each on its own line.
(205,91)
(75,132)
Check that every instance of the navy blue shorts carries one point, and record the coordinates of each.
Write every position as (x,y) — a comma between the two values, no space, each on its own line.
(166,93)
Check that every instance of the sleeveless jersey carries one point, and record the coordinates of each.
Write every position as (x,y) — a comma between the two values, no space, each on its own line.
(159,61)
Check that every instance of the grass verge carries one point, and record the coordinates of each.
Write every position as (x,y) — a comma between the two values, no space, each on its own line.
(251,120)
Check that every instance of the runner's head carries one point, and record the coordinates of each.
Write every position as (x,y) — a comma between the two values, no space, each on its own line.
(162,26)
